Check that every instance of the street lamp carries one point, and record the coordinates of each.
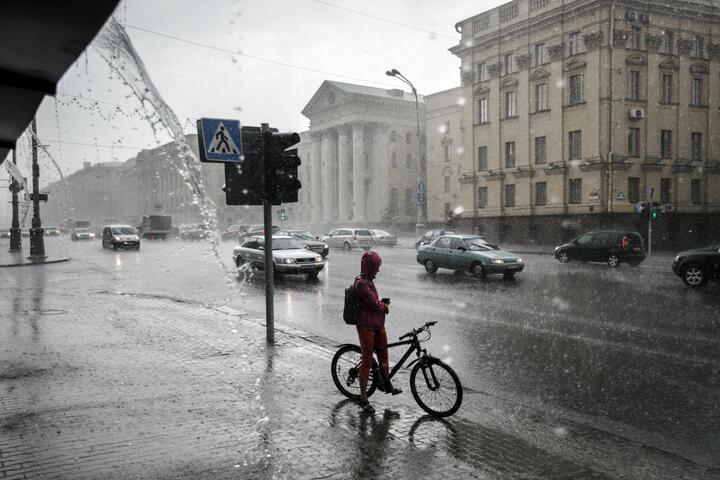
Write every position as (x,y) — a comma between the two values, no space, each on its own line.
(420,219)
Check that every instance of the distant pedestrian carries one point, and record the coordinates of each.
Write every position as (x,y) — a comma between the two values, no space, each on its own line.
(371,327)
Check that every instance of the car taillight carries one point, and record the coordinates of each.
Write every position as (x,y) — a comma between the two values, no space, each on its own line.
(626,242)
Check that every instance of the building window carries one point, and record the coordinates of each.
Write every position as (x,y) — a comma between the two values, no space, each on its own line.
(483,72)
(695,192)
(540,150)
(408,137)
(575,145)
(699,46)
(409,203)
(633,142)
(576,190)
(483,157)
(696,145)
(665,189)
(508,12)
(447,185)
(509,64)
(408,161)
(541,97)
(393,160)
(481,23)
(446,151)
(509,154)
(668,42)
(510,104)
(538,4)
(574,43)
(634,84)
(633,189)
(541,193)
(635,33)
(576,90)
(394,202)
(509,195)
(697,92)
(393,136)
(667,88)
(483,109)
(539,54)
(482,197)
(666,144)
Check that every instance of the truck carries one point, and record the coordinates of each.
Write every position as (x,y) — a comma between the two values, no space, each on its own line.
(156,226)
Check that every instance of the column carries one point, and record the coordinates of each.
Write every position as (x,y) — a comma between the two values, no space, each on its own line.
(345,174)
(359,193)
(316,179)
(327,152)
(380,165)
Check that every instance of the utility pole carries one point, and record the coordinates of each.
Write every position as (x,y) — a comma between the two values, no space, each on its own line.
(269,265)
(650,220)
(15,240)
(37,242)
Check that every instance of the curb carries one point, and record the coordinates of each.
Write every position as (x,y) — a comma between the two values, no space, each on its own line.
(43,262)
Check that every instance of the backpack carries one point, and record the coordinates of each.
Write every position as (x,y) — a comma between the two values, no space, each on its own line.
(351,311)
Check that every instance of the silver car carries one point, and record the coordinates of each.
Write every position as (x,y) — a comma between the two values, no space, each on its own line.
(384,238)
(349,238)
(289,256)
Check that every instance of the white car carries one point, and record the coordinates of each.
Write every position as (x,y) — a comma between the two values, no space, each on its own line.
(289,256)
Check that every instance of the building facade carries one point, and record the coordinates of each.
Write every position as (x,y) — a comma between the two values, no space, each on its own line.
(148,184)
(582,108)
(359,158)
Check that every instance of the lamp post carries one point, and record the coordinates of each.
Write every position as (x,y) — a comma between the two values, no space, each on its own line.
(420,218)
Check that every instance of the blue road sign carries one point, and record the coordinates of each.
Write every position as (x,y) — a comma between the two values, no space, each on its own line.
(421,193)
(219,140)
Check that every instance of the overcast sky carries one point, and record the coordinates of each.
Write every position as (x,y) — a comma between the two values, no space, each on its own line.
(286,48)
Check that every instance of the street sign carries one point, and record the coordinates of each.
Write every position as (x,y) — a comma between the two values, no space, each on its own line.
(219,140)
(421,193)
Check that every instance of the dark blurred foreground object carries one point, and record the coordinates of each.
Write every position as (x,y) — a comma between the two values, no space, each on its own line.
(697,267)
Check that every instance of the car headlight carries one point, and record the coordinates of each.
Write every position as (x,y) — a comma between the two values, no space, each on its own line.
(318,258)
(289,260)
(519,260)
(498,261)
(92,235)
(677,259)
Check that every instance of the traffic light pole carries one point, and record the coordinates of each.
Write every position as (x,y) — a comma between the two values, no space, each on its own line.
(650,222)
(269,265)
(15,240)
(37,243)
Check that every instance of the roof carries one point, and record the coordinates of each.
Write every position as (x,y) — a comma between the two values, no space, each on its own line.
(391,93)
(332,94)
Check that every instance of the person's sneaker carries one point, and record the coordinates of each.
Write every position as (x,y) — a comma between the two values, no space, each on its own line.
(366,406)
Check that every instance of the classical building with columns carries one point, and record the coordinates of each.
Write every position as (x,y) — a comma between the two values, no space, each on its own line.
(359,160)
(578,109)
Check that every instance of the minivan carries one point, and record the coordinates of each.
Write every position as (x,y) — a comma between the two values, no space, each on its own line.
(612,247)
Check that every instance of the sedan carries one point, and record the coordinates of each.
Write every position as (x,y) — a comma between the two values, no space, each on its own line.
(82,234)
(307,240)
(697,267)
(382,237)
(468,253)
(289,256)
(52,231)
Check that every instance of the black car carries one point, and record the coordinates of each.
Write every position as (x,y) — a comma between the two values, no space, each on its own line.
(613,247)
(698,266)
(307,240)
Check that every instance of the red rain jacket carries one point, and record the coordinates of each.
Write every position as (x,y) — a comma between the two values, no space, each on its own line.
(372,313)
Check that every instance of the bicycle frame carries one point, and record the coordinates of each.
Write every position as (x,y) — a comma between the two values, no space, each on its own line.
(414,347)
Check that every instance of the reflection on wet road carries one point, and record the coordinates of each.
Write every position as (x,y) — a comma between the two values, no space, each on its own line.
(628,350)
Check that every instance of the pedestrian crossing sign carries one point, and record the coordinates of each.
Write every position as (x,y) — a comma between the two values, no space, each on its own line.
(219,140)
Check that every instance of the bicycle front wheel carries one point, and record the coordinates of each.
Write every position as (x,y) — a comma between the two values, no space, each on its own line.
(346,372)
(437,388)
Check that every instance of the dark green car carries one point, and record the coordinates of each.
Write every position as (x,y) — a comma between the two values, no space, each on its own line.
(468,253)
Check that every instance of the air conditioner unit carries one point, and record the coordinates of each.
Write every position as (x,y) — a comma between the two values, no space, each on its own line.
(630,16)
(645,18)
(637,113)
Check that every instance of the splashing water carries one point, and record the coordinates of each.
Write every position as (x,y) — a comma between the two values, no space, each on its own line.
(116,48)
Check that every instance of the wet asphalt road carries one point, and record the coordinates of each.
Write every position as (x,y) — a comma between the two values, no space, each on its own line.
(631,350)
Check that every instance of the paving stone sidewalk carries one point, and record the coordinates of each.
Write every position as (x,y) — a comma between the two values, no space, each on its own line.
(102,384)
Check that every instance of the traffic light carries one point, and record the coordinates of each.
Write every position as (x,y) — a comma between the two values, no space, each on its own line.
(283,215)
(282,167)
(245,181)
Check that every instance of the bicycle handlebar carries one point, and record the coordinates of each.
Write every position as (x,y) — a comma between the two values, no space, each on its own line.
(416,331)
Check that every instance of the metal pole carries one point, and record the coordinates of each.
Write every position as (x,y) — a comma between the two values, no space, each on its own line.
(15,239)
(37,242)
(420,217)
(269,265)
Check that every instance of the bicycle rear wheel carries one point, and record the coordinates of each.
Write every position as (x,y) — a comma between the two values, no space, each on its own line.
(346,370)
(437,390)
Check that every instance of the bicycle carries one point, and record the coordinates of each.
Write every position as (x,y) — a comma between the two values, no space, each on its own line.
(438,392)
